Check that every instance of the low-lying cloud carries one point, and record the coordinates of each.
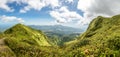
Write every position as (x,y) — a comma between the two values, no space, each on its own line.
(5,18)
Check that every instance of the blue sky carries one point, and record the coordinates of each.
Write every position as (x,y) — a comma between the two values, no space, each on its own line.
(74,13)
(31,16)
(38,17)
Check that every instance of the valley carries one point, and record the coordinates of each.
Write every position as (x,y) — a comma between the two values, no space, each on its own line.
(101,39)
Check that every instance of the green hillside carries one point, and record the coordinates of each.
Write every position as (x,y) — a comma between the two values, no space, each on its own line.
(27,35)
(23,40)
(102,38)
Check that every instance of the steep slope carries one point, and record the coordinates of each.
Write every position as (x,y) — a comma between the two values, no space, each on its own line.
(5,51)
(101,29)
(102,38)
(27,35)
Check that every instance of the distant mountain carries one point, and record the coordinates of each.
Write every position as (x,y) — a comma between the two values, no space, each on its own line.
(57,28)
(4,27)
(49,28)
(27,35)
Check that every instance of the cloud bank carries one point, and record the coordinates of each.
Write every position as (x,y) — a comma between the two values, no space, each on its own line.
(31,4)
(3,5)
(38,4)
(5,18)
(94,8)
(63,15)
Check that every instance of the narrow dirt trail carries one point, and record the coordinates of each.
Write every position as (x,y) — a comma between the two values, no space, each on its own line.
(2,43)
(3,47)
(5,51)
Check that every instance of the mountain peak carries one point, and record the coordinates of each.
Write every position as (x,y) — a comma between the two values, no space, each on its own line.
(25,33)
(19,24)
(101,24)
(16,28)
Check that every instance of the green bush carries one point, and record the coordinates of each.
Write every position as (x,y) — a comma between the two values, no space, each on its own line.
(114,43)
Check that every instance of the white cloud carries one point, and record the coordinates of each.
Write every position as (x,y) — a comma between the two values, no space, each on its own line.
(31,4)
(94,8)
(3,5)
(63,15)
(39,4)
(69,1)
(5,18)
(25,9)
(53,3)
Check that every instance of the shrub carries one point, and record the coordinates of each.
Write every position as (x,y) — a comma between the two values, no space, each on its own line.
(114,43)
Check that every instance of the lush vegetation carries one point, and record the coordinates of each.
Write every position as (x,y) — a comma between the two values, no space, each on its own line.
(60,38)
(102,39)
(26,34)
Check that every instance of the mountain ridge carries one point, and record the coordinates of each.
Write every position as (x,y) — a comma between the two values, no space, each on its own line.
(102,38)
(21,32)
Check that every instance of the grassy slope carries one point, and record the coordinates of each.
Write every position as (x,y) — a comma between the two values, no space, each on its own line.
(5,51)
(24,41)
(25,34)
(102,37)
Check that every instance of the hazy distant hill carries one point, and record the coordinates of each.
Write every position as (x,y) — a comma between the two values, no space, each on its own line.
(4,27)
(49,28)
(57,28)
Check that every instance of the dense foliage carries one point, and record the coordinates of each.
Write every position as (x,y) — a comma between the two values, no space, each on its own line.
(103,37)
(61,38)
